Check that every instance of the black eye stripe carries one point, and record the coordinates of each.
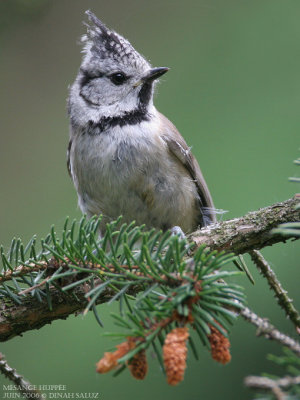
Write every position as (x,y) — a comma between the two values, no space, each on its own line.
(88,76)
(117,78)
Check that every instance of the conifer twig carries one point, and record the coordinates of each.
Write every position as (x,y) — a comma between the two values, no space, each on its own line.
(269,331)
(24,387)
(22,270)
(283,300)
(273,385)
(38,285)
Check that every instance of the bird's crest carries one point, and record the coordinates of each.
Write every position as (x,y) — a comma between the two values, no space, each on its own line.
(105,43)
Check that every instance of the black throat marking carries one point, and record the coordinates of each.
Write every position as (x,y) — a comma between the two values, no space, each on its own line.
(134,117)
(128,118)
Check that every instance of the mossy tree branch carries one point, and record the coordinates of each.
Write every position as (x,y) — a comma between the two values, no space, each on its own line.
(253,231)
(250,232)
(16,319)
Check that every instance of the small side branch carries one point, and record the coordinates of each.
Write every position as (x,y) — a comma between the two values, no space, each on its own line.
(24,387)
(283,300)
(273,385)
(269,331)
(22,270)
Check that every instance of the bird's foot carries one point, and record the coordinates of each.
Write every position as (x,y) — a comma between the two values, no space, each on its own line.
(176,230)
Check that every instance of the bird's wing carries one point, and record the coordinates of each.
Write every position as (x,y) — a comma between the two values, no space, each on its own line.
(182,152)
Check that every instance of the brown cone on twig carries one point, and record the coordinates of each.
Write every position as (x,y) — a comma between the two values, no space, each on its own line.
(138,365)
(175,352)
(219,345)
(110,360)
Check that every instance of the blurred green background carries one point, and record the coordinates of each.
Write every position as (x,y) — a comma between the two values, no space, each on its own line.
(233,91)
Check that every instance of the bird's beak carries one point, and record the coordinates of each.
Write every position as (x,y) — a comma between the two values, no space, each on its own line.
(151,75)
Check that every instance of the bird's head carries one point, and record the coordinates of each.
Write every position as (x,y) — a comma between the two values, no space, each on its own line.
(113,78)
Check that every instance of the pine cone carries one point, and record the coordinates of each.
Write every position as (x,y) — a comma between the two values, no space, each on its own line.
(219,346)
(138,365)
(110,360)
(175,352)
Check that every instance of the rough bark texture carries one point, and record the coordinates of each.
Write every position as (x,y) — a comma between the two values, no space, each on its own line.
(240,235)
(16,319)
(251,232)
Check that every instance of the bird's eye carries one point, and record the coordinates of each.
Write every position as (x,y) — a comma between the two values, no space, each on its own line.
(118,78)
